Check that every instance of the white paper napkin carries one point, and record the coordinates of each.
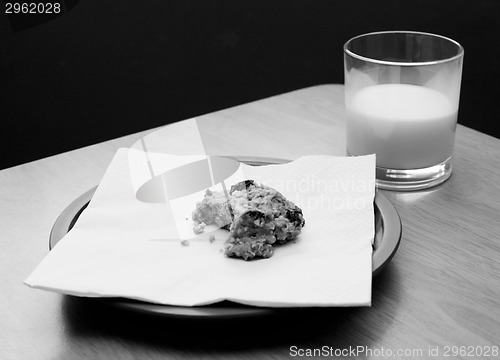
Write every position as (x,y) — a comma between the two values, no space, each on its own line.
(126,244)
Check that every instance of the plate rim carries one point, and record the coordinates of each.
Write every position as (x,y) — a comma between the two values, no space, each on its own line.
(390,222)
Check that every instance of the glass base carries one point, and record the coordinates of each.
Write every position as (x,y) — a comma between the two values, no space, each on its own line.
(413,179)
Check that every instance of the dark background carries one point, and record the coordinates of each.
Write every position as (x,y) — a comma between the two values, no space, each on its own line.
(107,68)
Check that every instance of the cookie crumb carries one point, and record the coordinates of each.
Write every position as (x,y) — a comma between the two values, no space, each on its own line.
(198,228)
(185,243)
(211,238)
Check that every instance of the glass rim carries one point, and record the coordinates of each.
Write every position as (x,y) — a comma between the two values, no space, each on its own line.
(460,52)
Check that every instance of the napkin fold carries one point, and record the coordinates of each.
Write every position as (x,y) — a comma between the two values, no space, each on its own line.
(135,239)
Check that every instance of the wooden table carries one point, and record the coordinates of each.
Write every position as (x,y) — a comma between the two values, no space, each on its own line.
(440,293)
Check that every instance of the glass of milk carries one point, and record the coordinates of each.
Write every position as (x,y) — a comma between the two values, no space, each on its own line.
(402,91)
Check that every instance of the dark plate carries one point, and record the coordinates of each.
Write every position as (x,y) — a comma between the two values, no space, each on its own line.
(387,237)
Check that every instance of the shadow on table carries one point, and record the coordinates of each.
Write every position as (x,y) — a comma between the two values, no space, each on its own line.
(338,328)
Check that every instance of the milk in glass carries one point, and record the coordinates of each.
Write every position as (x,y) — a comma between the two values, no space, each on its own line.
(407,126)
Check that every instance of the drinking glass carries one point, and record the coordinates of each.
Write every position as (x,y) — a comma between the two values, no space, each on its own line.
(402,91)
